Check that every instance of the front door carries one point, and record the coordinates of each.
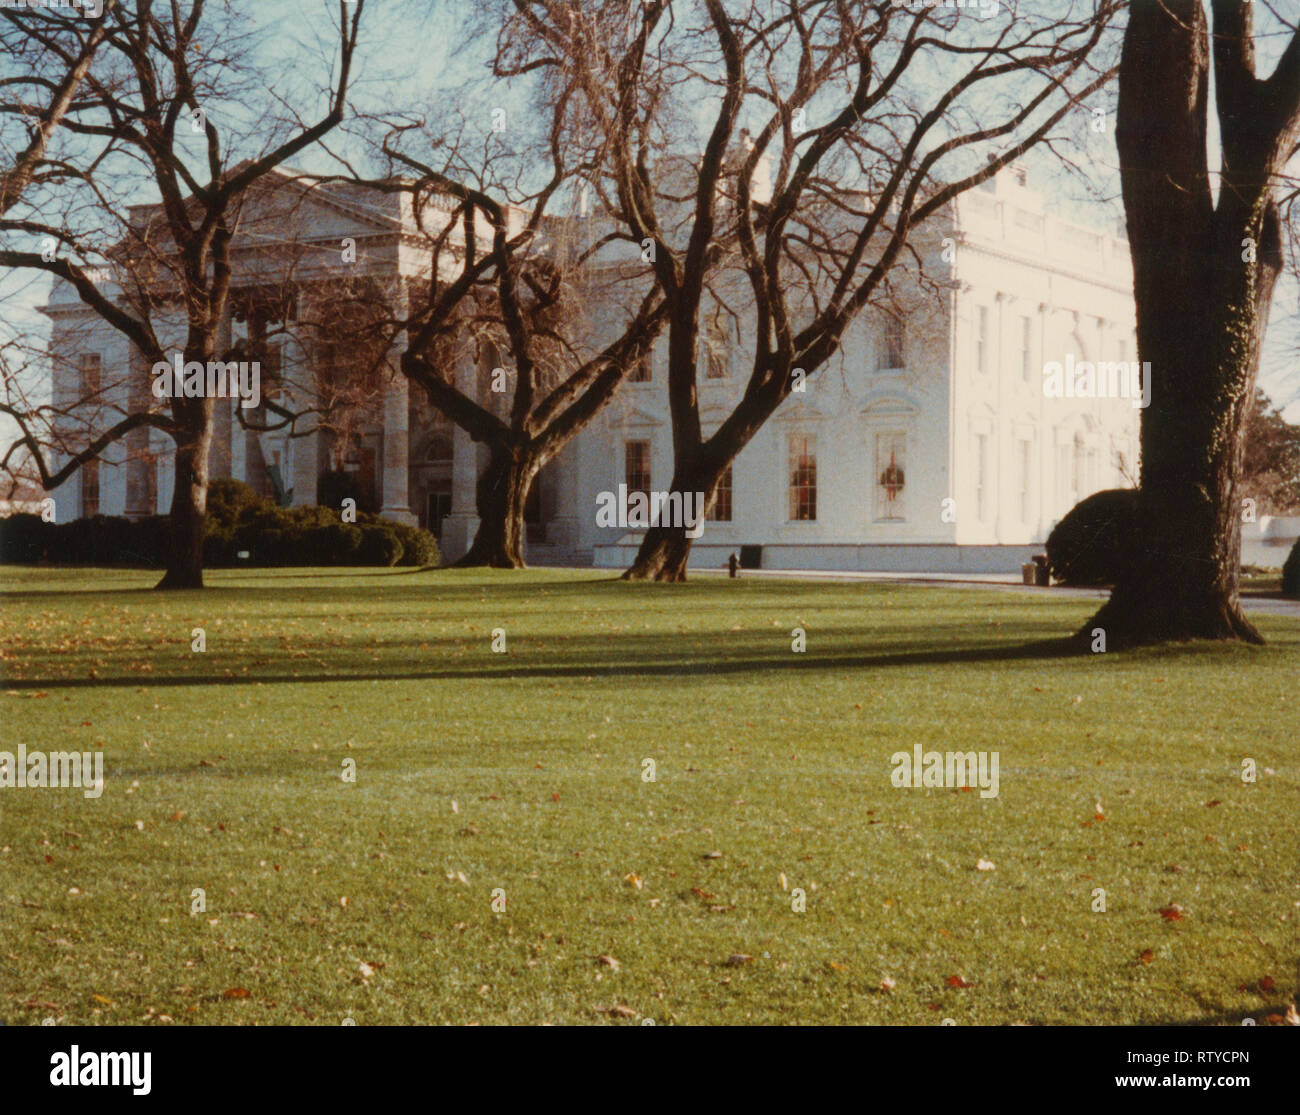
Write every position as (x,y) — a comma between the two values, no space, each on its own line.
(439,506)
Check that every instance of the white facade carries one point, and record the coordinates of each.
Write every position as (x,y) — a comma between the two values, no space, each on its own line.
(990,463)
(926,443)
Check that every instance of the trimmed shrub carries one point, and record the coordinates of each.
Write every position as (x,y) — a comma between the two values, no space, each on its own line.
(24,539)
(1291,572)
(379,545)
(232,503)
(336,544)
(419,547)
(1096,540)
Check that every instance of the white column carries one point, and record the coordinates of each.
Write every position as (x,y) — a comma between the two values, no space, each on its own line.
(397,447)
(459,528)
(300,465)
(117,381)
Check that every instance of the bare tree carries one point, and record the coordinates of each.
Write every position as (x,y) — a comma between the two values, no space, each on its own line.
(1204,274)
(872,118)
(156,81)
(520,281)
(41,122)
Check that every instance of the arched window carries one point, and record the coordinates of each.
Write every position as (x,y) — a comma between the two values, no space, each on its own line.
(440,450)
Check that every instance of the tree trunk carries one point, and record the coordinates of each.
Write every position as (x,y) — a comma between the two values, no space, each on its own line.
(1203,281)
(501,494)
(189,510)
(666,549)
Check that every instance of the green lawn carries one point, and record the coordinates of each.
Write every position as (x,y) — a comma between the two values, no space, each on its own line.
(523,771)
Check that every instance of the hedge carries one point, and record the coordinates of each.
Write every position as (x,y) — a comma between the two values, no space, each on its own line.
(1097,540)
(1291,572)
(238,521)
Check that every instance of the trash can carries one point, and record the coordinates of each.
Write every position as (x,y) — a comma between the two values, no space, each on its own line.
(1042,577)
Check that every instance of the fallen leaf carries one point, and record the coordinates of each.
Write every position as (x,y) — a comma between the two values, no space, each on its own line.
(957,981)
(887,984)
(1147,956)
(235,993)
(1172,913)
(985,865)
(617,1011)
(1266,985)
(607,961)
(739,959)
(632,879)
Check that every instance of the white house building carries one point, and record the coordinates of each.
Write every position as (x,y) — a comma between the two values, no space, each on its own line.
(932,441)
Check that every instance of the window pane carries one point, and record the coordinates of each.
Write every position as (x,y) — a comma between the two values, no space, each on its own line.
(891,351)
(803,478)
(717,355)
(891,475)
(721,512)
(91,367)
(90,489)
(636,466)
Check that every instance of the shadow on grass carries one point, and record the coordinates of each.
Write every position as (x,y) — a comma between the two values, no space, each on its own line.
(599,666)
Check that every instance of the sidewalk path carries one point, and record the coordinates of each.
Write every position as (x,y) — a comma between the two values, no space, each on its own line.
(1007,582)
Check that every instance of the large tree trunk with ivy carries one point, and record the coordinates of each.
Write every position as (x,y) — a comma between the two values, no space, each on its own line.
(1204,273)
(500,497)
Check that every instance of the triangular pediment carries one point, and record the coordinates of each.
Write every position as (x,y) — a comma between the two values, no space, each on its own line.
(635,417)
(799,410)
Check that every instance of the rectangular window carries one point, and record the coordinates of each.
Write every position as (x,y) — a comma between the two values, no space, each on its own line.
(717,356)
(642,370)
(891,349)
(1026,359)
(891,476)
(982,477)
(982,339)
(636,466)
(89,489)
(721,512)
(1026,463)
(91,369)
(803,478)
